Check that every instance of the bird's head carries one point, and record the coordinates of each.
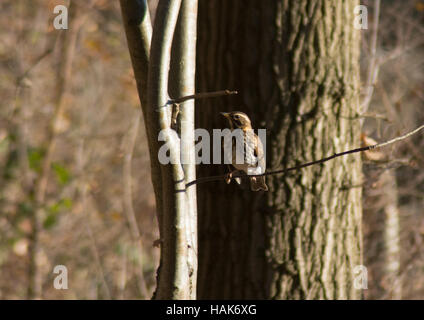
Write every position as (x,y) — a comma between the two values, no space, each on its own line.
(238,120)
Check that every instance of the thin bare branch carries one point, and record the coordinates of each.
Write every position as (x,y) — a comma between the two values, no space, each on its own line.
(95,252)
(308,164)
(394,140)
(202,95)
(37,60)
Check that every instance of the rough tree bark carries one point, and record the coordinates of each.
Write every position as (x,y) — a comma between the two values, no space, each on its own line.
(295,65)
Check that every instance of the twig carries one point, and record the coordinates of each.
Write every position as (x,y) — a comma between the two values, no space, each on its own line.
(308,164)
(375,116)
(95,251)
(33,65)
(128,204)
(383,144)
(201,95)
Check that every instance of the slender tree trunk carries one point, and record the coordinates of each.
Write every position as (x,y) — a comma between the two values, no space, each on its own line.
(373,223)
(392,236)
(176,207)
(295,65)
(63,78)
(382,233)
(182,77)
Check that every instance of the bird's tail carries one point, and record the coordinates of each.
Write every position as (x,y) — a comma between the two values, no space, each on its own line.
(258,183)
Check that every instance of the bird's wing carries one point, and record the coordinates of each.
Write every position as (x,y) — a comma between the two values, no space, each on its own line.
(259,154)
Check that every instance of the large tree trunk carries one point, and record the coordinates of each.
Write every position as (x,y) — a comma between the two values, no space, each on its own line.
(295,65)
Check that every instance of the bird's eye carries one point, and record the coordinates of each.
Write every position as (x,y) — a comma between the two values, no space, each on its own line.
(236,116)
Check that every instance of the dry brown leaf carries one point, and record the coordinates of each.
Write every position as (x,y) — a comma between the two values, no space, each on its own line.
(372,155)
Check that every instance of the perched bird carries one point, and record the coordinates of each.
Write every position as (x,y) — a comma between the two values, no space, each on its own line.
(252,159)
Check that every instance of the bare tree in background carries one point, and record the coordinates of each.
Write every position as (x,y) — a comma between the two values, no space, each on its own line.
(64,73)
(392,49)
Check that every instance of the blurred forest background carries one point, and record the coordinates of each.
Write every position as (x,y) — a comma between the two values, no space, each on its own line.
(77,93)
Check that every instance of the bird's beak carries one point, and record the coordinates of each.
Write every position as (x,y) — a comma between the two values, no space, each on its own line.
(225,114)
